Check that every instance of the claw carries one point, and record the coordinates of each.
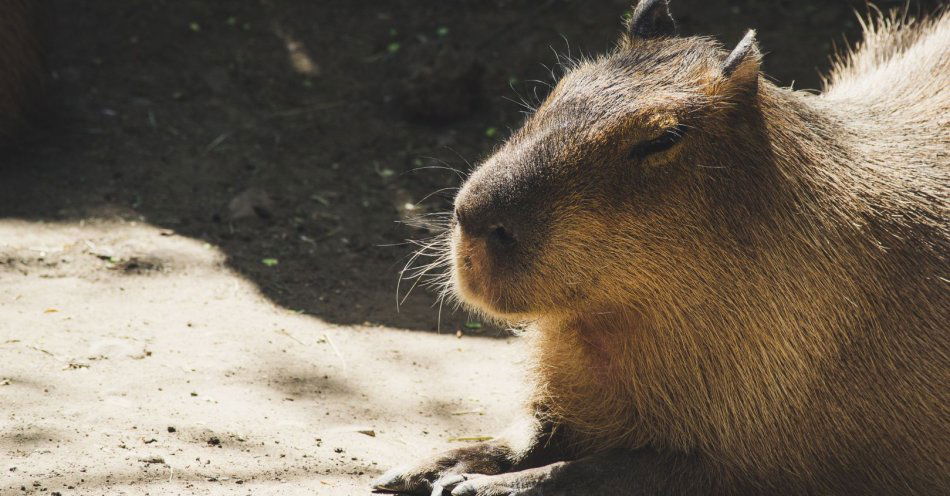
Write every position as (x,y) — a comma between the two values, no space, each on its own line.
(465,489)
(447,483)
(487,486)
(392,481)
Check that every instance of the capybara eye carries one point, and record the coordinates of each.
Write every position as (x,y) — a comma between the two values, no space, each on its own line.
(664,142)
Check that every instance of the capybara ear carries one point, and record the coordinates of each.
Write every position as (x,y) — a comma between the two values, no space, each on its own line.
(651,19)
(742,66)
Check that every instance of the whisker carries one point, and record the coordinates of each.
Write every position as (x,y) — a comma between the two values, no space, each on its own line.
(435,248)
(445,166)
(521,103)
(426,197)
(463,159)
(402,273)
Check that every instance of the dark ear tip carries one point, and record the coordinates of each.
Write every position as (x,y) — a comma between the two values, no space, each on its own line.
(749,39)
(746,48)
(651,19)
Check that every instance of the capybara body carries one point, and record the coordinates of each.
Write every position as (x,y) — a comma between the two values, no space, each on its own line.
(729,287)
(21,63)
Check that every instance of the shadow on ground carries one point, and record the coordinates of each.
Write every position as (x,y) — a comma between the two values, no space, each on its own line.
(304,132)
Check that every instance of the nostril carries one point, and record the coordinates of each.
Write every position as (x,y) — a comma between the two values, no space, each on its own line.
(500,235)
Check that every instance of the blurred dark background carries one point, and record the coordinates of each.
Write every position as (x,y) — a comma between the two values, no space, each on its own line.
(306,132)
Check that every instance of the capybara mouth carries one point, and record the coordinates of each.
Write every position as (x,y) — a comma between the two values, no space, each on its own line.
(481,281)
(470,267)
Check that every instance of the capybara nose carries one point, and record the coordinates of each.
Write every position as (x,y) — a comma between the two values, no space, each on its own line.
(485,223)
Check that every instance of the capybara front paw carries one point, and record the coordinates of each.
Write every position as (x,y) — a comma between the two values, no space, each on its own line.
(532,482)
(445,471)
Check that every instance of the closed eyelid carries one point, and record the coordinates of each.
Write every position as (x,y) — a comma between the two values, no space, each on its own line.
(661,143)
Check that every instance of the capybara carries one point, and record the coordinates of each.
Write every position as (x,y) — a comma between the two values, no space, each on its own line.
(729,287)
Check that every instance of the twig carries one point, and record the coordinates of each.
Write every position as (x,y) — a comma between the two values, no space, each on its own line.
(217,141)
(336,350)
(289,335)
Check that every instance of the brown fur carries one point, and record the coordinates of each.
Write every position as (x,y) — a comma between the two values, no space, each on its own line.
(21,63)
(771,294)
(760,308)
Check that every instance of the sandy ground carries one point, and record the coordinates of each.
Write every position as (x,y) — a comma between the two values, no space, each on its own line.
(132,361)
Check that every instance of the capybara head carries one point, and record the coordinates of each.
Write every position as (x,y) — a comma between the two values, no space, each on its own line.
(606,193)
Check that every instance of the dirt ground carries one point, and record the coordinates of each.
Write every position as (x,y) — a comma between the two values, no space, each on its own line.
(201,236)
(165,372)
